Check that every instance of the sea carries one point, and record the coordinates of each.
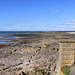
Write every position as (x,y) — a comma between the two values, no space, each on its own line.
(8,35)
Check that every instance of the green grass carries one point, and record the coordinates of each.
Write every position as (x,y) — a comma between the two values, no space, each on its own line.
(66,70)
(36,70)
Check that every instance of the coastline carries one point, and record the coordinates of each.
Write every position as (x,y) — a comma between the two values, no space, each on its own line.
(32,50)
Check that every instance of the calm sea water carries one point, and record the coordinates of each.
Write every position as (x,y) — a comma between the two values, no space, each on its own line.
(8,34)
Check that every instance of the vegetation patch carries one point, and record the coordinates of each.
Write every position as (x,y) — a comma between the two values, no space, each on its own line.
(35,71)
(66,70)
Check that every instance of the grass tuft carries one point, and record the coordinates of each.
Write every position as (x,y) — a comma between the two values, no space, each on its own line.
(66,70)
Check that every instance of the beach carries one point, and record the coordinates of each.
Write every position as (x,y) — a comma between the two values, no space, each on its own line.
(33,50)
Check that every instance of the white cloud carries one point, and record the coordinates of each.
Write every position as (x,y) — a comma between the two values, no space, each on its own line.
(65,17)
(62,28)
(53,10)
(57,11)
(72,20)
(7,28)
(68,23)
(21,28)
(73,24)
(42,28)
(16,28)
(9,24)
(50,8)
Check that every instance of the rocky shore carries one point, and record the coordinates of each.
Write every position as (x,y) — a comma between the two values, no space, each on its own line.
(35,50)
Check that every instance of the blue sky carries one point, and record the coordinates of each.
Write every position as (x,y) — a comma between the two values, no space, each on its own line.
(37,15)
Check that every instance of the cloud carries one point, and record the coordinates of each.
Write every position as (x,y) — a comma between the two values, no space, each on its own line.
(72,20)
(62,28)
(72,24)
(9,24)
(21,28)
(65,17)
(16,28)
(53,11)
(7,28)
(42,28)
(68,23)
(56,28)
(57,11)
(50,8)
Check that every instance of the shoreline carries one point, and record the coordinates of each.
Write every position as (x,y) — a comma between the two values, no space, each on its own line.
(34,49)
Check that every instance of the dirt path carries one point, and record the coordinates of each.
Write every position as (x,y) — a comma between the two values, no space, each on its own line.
(72,70)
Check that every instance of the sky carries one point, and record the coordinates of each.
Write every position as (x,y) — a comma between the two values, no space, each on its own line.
(37,15)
